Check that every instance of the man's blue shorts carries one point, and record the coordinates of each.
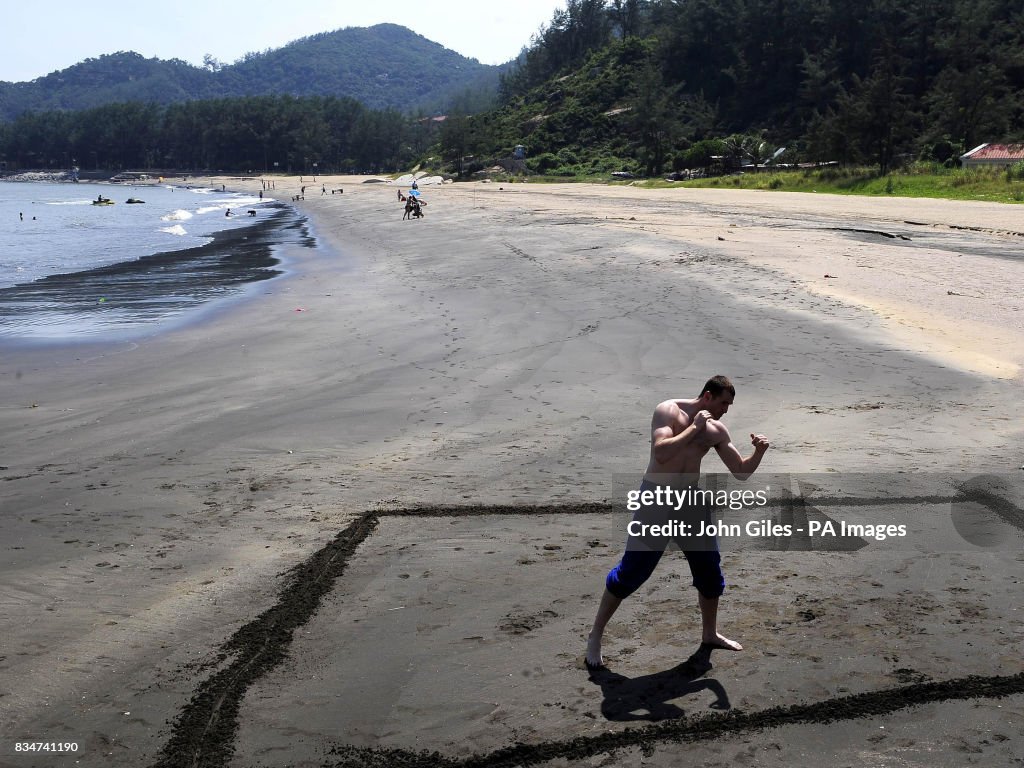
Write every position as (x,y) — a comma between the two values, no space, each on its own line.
(642,556)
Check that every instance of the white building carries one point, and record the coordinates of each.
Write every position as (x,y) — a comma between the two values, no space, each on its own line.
(999,155)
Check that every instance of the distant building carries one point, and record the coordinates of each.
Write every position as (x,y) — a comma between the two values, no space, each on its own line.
(130,176)
(998,155)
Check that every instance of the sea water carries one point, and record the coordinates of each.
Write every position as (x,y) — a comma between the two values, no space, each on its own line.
(73,270)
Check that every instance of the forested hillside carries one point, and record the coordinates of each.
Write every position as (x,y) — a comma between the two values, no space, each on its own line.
(640,85)
(383,67)
(641,82)
(258,134)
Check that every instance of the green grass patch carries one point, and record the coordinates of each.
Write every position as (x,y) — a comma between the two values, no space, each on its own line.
(989,184)
(928,180)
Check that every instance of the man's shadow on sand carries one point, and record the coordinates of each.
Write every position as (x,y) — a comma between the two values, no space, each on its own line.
(648,697)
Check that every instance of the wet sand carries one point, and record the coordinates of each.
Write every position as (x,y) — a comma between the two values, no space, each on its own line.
(172,577)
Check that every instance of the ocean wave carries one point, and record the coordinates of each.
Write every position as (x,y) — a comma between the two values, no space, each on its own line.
(234,203)
(178,215)
(68,202)
(177,229)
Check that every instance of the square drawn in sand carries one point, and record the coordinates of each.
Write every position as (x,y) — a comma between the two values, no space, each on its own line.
(440,636)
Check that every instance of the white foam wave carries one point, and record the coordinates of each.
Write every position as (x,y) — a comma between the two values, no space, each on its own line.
(201,190)
(222,205)
(177,229)
(178,215)
(69,202)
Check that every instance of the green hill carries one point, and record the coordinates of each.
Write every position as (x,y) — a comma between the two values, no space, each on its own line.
(645,85)
(599,117)
(385,66)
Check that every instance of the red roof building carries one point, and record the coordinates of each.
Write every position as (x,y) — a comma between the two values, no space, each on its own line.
(993,154)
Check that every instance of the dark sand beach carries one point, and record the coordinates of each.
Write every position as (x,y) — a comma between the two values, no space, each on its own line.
(365,515)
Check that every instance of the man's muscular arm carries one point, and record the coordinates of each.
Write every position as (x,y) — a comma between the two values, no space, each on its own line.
(742,468)
(667,445)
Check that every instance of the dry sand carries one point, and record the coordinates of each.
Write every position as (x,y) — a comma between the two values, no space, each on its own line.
(508,349)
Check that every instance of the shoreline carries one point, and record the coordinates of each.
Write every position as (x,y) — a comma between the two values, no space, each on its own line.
(507,348)
(155,292)
(973,339)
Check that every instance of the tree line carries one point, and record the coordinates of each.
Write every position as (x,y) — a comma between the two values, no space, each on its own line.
(859,81)
(645,85)
(260,134)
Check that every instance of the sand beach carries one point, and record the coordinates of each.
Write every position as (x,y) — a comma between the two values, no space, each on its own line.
(363,517)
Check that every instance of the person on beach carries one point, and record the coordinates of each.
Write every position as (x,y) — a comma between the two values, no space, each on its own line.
(682,433)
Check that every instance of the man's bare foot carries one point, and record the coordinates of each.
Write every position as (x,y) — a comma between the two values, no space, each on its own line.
(593,658)
(721,642)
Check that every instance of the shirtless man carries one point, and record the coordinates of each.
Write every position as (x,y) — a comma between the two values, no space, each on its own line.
(682,432)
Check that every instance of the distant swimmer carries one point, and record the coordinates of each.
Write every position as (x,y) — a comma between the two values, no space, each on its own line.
(227,212)
(21,216)
(682,433)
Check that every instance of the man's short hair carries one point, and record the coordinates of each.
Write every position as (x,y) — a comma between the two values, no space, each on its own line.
(716,385)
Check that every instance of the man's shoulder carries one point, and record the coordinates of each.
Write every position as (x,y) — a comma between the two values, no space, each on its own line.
(670,412)
(668,407)
(718,432)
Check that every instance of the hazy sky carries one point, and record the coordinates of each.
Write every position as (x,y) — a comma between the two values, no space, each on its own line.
(44,36)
